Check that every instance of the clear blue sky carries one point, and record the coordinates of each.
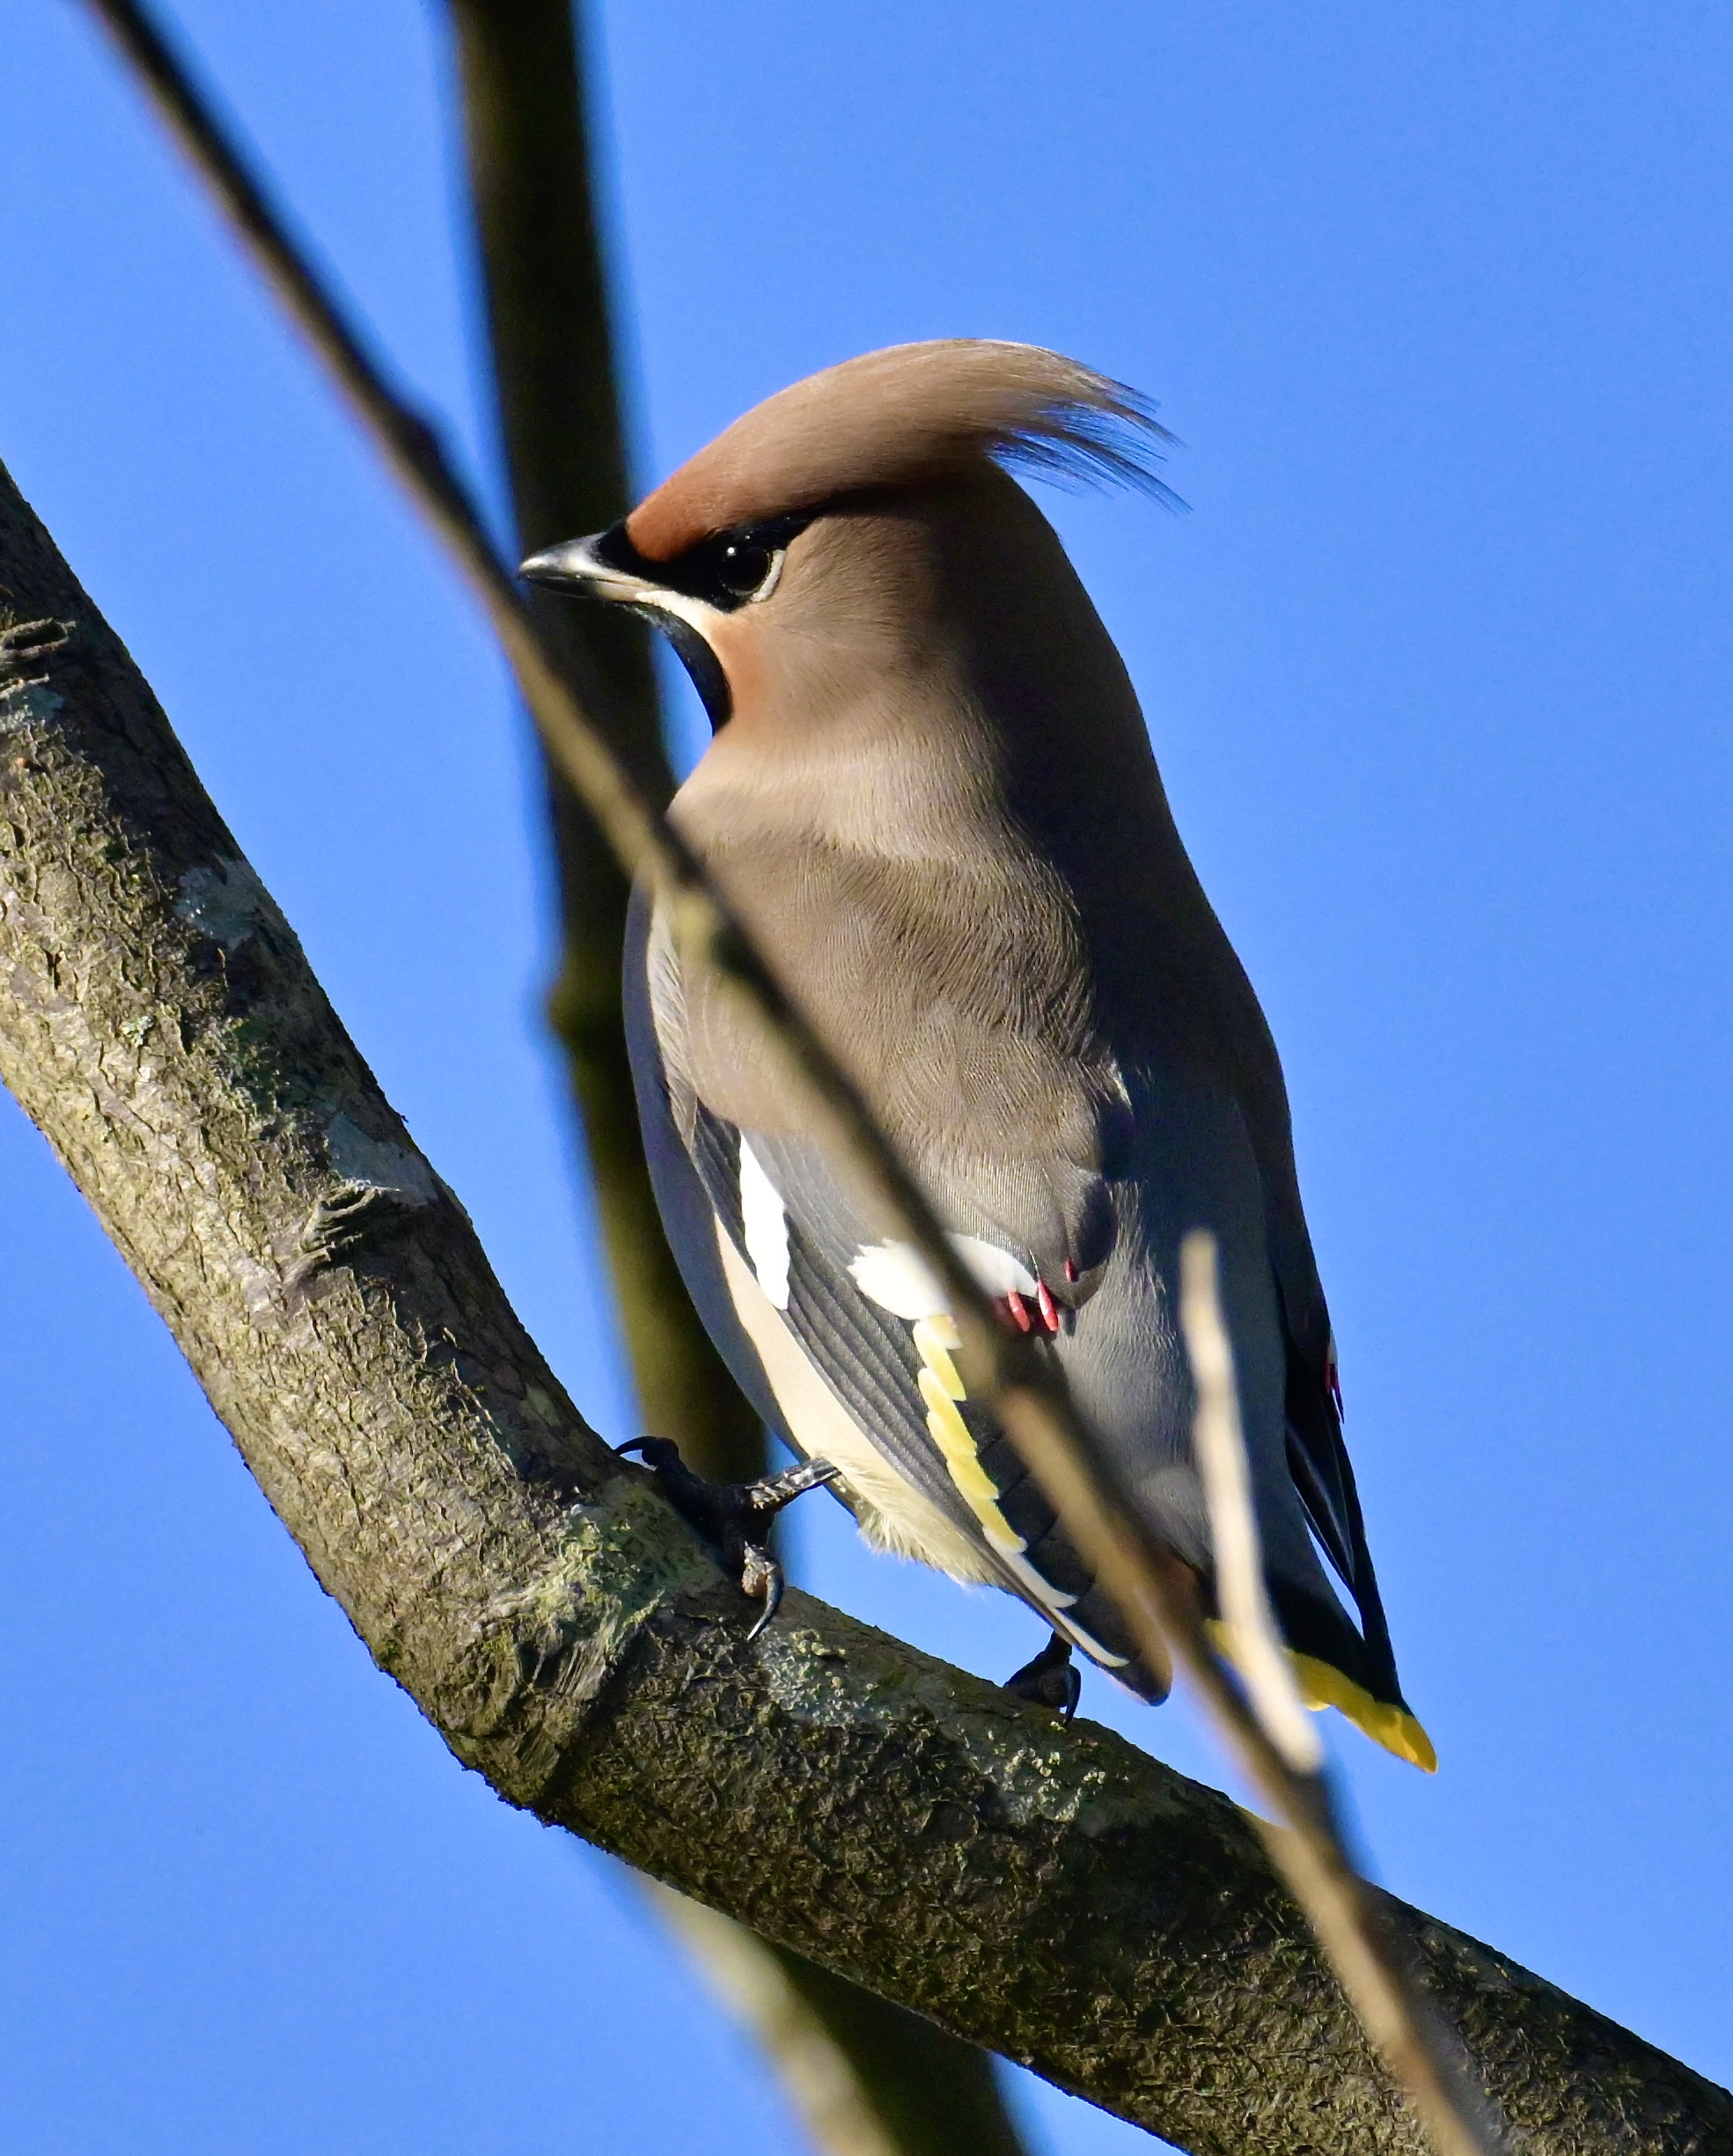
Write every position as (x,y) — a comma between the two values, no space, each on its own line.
(1437,669)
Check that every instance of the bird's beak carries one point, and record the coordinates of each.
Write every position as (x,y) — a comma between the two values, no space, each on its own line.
(603,567)
(579,567)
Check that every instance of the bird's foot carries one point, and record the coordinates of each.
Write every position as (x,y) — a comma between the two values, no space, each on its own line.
(733,1518)
(1051,1680)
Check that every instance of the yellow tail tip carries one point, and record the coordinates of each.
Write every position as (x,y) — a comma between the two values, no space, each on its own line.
(1323,1685)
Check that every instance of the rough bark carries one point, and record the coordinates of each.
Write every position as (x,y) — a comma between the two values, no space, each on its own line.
(1052,1894)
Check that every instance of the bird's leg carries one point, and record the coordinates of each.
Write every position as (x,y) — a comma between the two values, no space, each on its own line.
(733,1518)
(1051,1680)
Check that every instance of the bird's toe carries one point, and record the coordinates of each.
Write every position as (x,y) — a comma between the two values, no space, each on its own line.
(732,1518)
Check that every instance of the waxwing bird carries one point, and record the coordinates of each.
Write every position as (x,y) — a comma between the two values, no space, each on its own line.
(932,798)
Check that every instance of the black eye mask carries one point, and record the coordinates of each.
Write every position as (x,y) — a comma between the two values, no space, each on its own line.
(726,572)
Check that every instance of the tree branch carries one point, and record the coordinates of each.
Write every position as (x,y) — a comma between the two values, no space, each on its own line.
(1052,1894)
(868,2077)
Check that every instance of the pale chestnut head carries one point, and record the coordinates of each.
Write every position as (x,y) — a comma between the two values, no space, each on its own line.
(842,536)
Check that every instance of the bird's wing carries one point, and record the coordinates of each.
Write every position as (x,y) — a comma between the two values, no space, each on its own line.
(1324,1478)
(682,1193)
(779,1257)
(1245,1054)
(811,1288)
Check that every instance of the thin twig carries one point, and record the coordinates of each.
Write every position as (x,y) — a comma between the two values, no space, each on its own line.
(1219,1442)
(869,2078)
(1156,1592)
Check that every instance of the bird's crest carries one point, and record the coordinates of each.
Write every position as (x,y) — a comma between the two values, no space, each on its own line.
(900,417)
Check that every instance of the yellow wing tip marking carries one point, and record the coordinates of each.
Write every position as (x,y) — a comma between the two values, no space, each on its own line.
(942,1408)
(1323,1685)
(933,1343)
(940,1388)
(951,1433)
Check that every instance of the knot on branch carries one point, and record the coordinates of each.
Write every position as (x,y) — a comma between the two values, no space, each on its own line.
(340,1226)
(27,698)
(383,1186)
(28,644)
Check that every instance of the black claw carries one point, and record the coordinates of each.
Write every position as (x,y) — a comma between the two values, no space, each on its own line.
(763,1576)
(733,1517)
(1051,1680)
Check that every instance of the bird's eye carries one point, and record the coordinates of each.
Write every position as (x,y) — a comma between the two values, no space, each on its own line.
(744,567)
(734,569)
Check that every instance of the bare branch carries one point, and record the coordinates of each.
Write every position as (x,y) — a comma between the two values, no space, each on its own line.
(554,371)
(1416,2035)
(867,2078)
(863,2074)
(1052,1894)
(1255,1645)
